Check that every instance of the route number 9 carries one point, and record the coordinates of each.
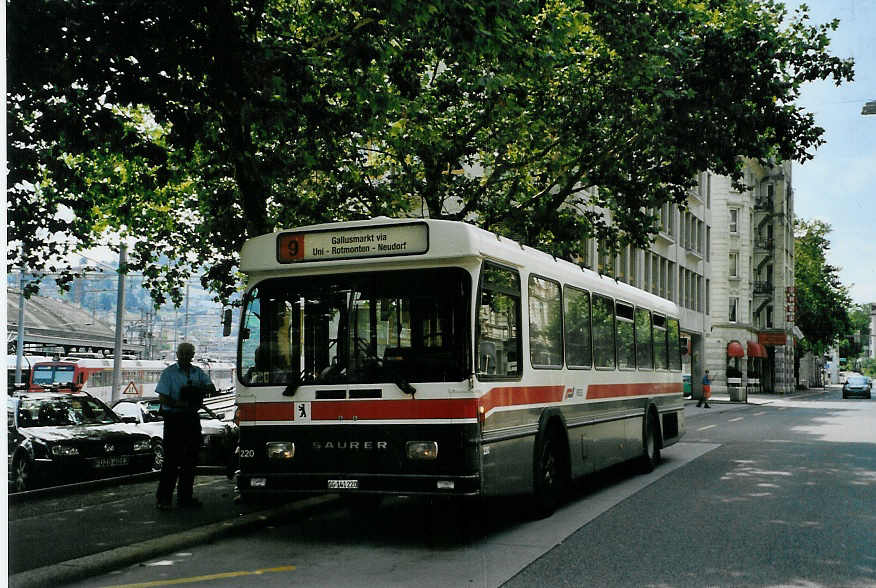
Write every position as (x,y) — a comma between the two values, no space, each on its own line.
(290,247)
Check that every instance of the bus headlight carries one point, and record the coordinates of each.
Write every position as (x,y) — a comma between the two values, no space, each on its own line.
(426,450)
(280,449)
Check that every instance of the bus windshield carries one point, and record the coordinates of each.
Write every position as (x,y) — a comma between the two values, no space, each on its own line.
(409,326)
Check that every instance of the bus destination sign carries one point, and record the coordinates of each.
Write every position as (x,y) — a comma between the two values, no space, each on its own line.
(383,241)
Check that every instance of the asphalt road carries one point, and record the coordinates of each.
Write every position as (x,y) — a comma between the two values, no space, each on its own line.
(775,494)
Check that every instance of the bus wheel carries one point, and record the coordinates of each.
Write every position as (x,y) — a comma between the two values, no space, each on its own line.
(551,480)
(158,455)
(651,445)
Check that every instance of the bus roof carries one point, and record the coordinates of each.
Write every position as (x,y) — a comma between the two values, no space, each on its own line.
(383,241)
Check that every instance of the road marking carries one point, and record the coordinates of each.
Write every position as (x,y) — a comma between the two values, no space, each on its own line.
(736,419)
(759,413)
(206,578)
(706,427)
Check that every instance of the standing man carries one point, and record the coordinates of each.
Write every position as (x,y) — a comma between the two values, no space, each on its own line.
(707,391)
(182,388)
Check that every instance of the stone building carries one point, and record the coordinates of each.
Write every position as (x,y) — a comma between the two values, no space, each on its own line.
(676,266)
(751,343)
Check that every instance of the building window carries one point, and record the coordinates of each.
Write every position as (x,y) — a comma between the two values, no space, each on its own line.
(634,255)
(734,306)
(734,220)
(733,270)
(708,242)
(707,297)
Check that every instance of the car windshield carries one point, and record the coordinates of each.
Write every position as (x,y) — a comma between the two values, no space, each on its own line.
(857,380)
(409,326)
(62,411)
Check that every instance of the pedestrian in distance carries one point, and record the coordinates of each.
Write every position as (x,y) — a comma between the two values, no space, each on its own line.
(707,391)
(181,387)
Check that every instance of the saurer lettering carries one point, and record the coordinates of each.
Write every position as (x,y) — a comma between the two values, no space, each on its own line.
(352,445)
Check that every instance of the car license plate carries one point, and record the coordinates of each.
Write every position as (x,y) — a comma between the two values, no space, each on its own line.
(343,484)
(110,462)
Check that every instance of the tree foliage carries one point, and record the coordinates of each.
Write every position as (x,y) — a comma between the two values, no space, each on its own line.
(823,302)
(193,126)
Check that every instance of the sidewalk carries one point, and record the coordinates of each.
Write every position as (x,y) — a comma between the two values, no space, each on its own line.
(757,399)
(126,529)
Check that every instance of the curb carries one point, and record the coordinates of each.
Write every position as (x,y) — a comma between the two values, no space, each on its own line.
(120,557)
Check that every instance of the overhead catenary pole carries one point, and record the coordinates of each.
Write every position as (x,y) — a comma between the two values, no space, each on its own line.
(120,321)
(186,329)
(19,344)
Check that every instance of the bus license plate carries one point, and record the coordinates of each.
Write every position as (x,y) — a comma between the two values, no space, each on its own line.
(110,462)
(343,484)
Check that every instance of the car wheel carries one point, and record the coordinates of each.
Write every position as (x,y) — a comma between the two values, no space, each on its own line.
(158,455)
(23,474)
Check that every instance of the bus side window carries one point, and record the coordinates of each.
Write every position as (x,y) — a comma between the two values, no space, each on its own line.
(644,340)
(545,323)
(603,332)
(661,359)
(577,324)
(674,335)
(498,328)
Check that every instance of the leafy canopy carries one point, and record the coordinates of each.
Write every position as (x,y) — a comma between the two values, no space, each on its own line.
(193,126)
(822,300)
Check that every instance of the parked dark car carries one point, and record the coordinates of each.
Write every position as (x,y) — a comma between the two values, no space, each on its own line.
(64,437)
(218,438)
(856,385)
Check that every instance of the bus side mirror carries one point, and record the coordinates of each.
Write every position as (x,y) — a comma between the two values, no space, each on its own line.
(226,322)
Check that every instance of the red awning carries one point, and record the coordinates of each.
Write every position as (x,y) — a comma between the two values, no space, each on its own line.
(756,350)
(734,349)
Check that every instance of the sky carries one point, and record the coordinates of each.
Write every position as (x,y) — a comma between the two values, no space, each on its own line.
(839,185)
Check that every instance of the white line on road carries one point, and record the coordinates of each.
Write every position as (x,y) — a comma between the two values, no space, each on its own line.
(736,419)
(759,413)
(706,427)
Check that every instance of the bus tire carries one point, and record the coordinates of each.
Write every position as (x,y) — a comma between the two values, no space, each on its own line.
(551,473)
(650,444)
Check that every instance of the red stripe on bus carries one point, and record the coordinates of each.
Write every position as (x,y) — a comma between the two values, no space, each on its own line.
(517,395)
(332,410)
(621,390)
(266,411)
(369,410)
(457,408)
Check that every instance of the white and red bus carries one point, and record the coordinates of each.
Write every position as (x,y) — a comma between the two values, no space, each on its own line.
(95,375)
(426,357)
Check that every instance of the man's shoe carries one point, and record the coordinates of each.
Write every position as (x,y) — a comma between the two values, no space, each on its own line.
(163,506)
(707,406)
(190,503)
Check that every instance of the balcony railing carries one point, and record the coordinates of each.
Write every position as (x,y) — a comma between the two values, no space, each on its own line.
(763,243)
(763,287)
(763,204)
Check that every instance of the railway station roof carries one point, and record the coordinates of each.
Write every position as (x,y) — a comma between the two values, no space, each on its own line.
(50,323)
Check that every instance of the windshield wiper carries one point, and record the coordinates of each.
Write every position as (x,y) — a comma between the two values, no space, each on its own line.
(403,385)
